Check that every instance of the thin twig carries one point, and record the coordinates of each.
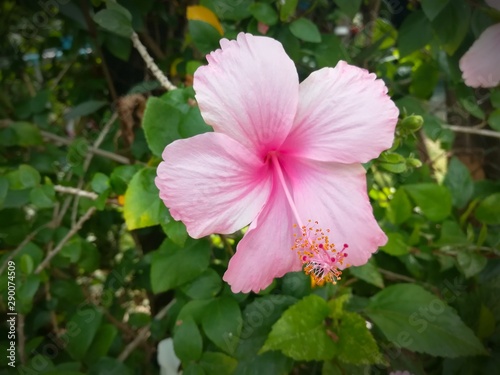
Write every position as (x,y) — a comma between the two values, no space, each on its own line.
(28,239)
(167,85)
(106,154)
(66,238)
(75,191)
(143,334)
(88,159)
(463,129)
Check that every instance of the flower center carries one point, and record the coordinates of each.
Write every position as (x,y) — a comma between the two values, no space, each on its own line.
(320,258)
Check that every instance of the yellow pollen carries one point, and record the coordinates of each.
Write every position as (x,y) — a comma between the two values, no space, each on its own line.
(319,257)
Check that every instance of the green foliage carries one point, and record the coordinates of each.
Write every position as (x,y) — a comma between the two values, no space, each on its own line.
(103,273)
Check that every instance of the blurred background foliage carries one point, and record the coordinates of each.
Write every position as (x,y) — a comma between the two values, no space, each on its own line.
(108,283)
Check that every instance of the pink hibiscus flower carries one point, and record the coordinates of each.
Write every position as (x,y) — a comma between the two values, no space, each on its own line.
(281,154)
(480,65)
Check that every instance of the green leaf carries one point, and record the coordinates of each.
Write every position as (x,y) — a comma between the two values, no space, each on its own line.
(188,343)
(100,183)
(172,266)
(452,24)
(204,36)
(287,9)
(488,211)
(85,109)
(396,244)
(176,231)
(451,235)
(25,293)
(305,30)
(494,119)
(434,200)
(264,13)
(369,273)
(459,181)
(193,369)
(229,9)
(4,189)
(470,263)
(400,208)
(207,285)
(101,343)
(119,46)
(349,7)
(143,206)
(495,98)
(192,123)
(115,22)
(161,124)
(355,344)
(26,134)
(414,319)
(109,366)
(433,7)
(300,333)
(24,177)
(121,176)
(218,363)
(222,323)
(81,330)
(330,51)
(43,196)
(415,33)
(424,80)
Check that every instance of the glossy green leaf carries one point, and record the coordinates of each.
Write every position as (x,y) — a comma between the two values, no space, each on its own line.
(205,37)
(434,200)
(101,343)
(222,323)
(24,177)
(173,266)
(400,208)
(494,119)
(396,244)
(414,319)
(207,285)
(305,30)
(43,196)
(300,333)
(81,330)
(414,34)
(470,263)
(26,134)
(114,21)
(188,343)
(432,8)
(459,181)
(264,13)
(368,273)
(143,206)
(488,211)
(161,124)
(349,7)
(287,9)
(214,363)
(451,24)
(85,109)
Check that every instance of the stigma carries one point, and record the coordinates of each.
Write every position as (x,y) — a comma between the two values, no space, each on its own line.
(319,257)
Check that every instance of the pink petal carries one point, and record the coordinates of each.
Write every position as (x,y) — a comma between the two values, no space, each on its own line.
(265,251)
(212,183)
(494,4)
(480,65)
(249,91)
(344,115)
(335,195)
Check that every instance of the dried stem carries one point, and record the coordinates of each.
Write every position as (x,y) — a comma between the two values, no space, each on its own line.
(167,85)
(143,334)
(75,191)
(66,238)
(106,154)
(463,129)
